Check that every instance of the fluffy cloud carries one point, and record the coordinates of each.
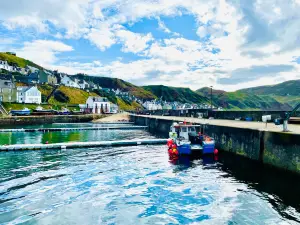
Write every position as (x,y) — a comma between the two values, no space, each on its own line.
(43,52)
(69,15)
(105,36)
(241,43)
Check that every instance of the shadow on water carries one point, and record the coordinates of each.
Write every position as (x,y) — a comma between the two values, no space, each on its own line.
(278,187)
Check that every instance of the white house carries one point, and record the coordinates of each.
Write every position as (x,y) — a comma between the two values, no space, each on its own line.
(82,84)
(152,105)
(29,95)
(4,65)
(114,108)
(67,81)
(96,105)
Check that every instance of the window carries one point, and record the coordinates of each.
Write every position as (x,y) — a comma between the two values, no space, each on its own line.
(192,129)
(183,129)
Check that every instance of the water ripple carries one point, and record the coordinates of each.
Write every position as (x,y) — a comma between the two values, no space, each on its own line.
(130,185)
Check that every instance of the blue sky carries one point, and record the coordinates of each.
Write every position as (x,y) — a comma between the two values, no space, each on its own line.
(230,44)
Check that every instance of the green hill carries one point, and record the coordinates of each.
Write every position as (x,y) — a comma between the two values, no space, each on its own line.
(239,100)
(287,92)
(288,88)
(11,59)
(170,94)
(115,83)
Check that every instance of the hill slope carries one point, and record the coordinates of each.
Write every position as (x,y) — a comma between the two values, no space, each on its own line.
(170,94)
(11,59)
(287,88)
(241,100)
(115,83)
(287,92)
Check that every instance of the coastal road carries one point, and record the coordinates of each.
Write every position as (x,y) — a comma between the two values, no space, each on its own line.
(232,123)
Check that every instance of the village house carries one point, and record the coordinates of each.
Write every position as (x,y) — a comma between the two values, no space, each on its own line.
(29,95)
(69,82)
(32,78)
(82,84)
(51,78)
(94,86)
(42,76)
(96,105)
(4,65)
(152,105)
(7,89)
(114,108)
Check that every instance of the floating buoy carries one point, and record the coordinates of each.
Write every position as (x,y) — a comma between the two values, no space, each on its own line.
(216,151)
(170,142)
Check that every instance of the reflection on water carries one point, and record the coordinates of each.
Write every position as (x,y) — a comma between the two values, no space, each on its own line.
(139,185)
(70,136)
(62,125)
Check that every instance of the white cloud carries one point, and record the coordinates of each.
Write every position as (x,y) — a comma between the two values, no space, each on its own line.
(133,42)
(246,34)
(43,52)
(103,38)
(70,15)
(162,26)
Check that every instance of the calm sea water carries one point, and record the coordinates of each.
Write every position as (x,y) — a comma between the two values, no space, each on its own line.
(140,185)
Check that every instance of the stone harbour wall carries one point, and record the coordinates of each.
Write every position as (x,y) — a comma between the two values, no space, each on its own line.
(277,149)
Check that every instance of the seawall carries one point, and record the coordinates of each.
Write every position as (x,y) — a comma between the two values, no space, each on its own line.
(29,120)
(281,150)
(228,115)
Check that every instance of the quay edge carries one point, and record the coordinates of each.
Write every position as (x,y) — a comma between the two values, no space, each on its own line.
(277,149)
(49,119)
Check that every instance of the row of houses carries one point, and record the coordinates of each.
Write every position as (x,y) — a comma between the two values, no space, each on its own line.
(10,93)
(163,105)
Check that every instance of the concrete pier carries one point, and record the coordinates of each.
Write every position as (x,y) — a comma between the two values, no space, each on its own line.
(73,129)
(249,139)
(83,144)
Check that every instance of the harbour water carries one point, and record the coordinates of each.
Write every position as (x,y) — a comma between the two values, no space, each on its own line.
(138,185)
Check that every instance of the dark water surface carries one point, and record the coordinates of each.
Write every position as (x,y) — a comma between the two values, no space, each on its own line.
(139,185)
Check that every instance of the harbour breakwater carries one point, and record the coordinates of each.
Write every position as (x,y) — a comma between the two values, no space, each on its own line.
(228,115)
(48,119)
(278,149)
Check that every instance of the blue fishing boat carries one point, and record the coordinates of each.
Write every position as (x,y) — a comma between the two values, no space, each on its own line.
(186,140)
(23,112)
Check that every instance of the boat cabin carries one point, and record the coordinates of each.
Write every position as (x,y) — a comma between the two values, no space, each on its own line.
(183,130)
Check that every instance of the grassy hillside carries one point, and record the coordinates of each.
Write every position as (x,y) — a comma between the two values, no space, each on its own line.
(11,59)
(115,83)
(170,94)
(127,105)
(71,96)
(287,92)
(240,100)
(288,88)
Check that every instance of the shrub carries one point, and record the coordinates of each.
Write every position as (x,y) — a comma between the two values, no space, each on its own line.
(61,97)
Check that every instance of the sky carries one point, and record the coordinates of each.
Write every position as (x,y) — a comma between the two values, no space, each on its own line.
(227,44)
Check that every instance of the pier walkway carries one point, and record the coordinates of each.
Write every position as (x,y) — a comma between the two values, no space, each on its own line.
(294,128)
